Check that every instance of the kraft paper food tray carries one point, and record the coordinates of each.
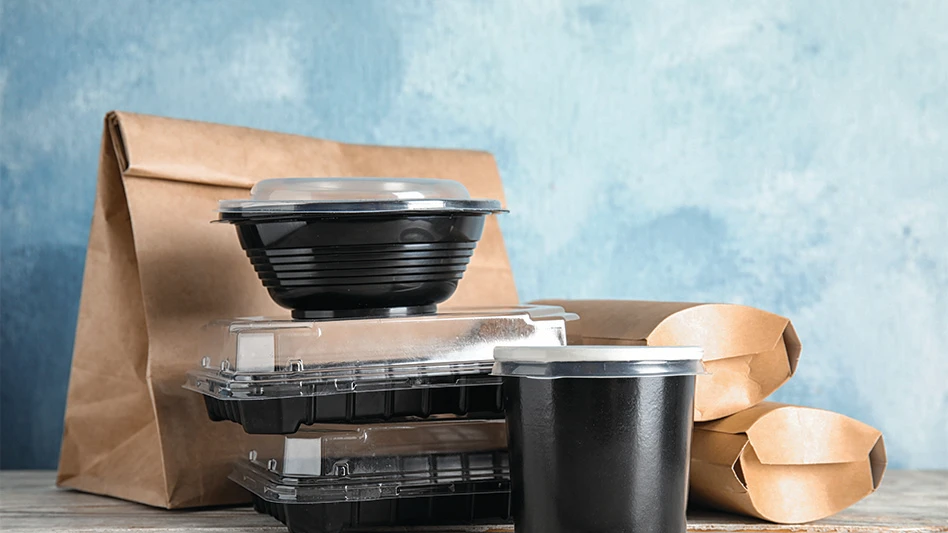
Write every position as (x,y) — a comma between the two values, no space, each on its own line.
(157,270)
(785,463)
(748,353)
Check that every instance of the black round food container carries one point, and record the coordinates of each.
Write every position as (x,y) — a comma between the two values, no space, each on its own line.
(359,247)
(599,436)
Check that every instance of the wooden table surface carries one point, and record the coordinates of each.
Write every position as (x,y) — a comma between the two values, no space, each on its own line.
(907,501)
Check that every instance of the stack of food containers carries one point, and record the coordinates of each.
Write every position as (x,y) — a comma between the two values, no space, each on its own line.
(363,264)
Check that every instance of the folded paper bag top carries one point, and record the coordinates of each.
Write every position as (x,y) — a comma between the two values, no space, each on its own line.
(748,353)
(785,463)
(157,270)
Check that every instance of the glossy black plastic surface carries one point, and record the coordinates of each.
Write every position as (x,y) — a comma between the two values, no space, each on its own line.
(599,454)
(284,416)
(324,263)
(461,509)
(458,488)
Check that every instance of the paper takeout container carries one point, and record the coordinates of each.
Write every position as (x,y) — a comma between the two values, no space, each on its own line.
(601,431)
(748,353)
(785,463)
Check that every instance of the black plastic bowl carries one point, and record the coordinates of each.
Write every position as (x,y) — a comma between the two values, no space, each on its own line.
(359,264)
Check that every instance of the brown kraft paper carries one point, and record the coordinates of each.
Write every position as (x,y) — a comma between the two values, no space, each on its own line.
(748,353)
(157,270)
(785,463)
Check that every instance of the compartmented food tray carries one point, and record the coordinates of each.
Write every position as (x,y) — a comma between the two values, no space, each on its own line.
(450,472)
(469,397)
(271,376)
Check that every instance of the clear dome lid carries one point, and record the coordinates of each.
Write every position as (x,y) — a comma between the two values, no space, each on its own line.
(357,195)
(413,460)
(357,189)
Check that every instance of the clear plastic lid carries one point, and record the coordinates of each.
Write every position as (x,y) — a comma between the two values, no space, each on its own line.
(342,195)
(554,362)
(381,462)
(258,358)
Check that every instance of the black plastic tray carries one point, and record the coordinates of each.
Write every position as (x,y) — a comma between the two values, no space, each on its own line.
(456,509)
(283,416)
(429,489)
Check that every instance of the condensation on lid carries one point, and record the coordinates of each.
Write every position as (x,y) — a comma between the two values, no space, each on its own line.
(357,194)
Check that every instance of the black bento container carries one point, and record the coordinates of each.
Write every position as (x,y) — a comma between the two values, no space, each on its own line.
(359,247)
(271,376)
(444,473)
(457,395)
(599,437)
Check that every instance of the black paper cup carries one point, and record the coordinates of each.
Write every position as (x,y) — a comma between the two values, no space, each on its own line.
(599,436)
(369,254)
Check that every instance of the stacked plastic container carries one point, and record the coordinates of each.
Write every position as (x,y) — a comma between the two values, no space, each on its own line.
(434,473)
(402,420)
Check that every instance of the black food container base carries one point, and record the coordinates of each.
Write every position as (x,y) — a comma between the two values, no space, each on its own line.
(284,416)
(460,509)
(350,267)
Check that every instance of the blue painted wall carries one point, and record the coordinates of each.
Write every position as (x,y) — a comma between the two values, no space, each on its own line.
(791,155)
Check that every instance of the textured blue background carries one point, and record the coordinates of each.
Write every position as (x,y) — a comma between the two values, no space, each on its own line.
(791,155)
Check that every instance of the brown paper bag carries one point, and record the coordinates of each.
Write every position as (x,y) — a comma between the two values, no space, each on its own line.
(157,270)
(748,353)
(785,463)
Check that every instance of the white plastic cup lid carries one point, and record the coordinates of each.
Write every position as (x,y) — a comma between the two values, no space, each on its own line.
(542,362)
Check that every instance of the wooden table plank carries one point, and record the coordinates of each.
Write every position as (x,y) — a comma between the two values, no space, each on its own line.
(908,501)
(29,502)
